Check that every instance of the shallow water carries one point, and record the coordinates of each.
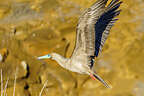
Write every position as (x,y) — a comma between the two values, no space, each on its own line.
(33,28)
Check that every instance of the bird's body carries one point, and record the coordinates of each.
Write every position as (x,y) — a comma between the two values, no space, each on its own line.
(76,63)
(92,31)
(79,63)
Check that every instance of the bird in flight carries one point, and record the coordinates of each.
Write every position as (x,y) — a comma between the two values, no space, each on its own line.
(92,31)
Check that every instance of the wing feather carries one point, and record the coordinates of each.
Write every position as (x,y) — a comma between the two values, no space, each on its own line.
(94,26)
(85,28)
(104,24)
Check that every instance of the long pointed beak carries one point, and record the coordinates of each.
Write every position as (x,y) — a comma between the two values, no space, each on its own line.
(44,57)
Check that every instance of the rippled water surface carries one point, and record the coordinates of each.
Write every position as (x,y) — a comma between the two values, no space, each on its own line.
(31,28)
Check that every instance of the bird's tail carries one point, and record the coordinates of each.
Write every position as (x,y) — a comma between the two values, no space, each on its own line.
(101,80)
(97,77)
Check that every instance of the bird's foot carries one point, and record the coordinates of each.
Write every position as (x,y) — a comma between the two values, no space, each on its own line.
(92,76)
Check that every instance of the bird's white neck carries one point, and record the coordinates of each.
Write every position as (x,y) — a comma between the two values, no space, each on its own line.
(60,59)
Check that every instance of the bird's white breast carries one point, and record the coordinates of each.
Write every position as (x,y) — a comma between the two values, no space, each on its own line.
(79,64)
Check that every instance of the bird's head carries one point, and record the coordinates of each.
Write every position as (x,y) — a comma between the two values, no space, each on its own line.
(50,56)
(54,56)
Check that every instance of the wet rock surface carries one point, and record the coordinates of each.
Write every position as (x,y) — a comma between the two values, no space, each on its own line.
(33,28)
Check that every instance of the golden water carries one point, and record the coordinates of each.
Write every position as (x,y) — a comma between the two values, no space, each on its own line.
(30,28)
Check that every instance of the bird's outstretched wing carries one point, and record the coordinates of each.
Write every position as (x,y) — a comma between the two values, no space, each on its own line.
(94,26)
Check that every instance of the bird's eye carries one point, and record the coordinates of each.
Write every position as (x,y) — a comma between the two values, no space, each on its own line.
(49,56)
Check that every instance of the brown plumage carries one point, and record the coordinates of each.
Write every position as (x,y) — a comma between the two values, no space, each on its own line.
(92,31)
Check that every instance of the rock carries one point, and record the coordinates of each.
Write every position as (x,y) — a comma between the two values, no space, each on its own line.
(26,68)
(24,64)
(3,54)
(1,57)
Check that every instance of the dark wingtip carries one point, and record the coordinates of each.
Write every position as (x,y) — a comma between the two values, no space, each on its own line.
(114,3)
